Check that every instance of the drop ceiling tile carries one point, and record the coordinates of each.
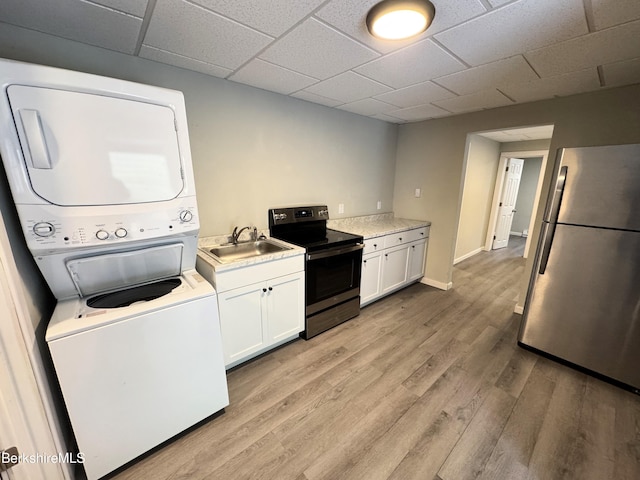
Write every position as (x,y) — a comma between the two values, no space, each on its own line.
(273,17)
(475,101)
(561,85)
(312,97)
(515,28)
(132,7)
(348,87)
(418,94)
(606,46)
(414,64)
(420,112)
(75,20)
(267,76)
(607,13)
(317,50)
(490,75)
(622,73)
(368,107)
(388,118)
(169,58)
(350,17)
(194,32)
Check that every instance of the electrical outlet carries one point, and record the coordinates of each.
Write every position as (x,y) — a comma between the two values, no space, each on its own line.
(341,208)
(379,204)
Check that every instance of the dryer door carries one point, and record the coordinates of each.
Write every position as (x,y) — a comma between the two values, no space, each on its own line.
(82,149)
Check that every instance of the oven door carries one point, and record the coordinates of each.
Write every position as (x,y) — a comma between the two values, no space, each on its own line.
(333,276)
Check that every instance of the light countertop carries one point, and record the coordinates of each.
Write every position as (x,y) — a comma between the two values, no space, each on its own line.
(371,226)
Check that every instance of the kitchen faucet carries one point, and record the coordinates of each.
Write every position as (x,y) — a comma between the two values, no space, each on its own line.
(235,235)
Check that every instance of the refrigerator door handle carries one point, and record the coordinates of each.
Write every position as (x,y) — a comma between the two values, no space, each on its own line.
(553,219)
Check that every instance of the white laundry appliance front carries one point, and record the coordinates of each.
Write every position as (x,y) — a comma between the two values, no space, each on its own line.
(100,172)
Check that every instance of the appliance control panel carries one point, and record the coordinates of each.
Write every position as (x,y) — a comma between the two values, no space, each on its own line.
(281,216)
(46,230)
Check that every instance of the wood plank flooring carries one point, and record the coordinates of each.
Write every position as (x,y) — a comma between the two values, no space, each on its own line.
(423,385)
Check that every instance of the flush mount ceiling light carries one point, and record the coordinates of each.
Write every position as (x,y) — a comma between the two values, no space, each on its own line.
(398,19)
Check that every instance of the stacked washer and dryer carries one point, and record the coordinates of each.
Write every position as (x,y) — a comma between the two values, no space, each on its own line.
(100,172)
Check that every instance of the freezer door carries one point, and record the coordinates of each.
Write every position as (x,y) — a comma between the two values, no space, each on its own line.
(602,187)
(585,308)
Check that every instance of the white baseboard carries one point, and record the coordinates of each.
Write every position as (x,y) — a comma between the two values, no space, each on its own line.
(516,234)
(467,255)
(436,283)
(519,309)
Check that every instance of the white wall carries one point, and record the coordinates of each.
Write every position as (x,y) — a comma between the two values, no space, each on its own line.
(526,194)
(479,180)
(251,149)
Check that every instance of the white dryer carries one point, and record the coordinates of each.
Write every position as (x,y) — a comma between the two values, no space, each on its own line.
(100,172)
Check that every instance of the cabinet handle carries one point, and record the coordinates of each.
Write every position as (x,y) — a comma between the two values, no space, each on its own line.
(386,254)
(400,238)
(364,261)
(264,290)
(270,288)
(375,245)
(413,246)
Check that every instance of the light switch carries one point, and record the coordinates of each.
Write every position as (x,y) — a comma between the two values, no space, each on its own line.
(341,208)
(418,192)
(379,204)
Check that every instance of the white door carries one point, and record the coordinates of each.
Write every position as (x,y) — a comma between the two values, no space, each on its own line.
(508,202)
(285,306)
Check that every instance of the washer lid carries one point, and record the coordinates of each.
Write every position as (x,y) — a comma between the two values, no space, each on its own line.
(107,272)
(82,149)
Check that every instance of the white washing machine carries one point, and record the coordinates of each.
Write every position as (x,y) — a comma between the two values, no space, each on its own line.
(100,172)
(136,370)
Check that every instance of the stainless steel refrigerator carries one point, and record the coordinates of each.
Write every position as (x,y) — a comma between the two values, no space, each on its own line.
(583,302)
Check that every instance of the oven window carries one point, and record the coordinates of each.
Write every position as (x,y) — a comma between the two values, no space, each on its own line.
(331,276)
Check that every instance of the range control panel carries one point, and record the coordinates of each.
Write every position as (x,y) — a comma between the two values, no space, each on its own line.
(44,229)
(280,216)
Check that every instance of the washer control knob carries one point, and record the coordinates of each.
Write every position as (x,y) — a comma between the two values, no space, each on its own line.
(121,232)
(323,213)
(102,234)
(44,229)
(186,216)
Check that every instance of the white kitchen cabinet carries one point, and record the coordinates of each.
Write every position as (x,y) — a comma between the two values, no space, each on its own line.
(241,322)
(261,305)
(394,268)
(285,307)
(392,261)
(370,286)
(257,317)
(417,253)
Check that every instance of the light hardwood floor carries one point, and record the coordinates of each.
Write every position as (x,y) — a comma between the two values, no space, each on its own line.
(424,384)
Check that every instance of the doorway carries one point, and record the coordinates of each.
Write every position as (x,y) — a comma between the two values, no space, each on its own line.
(523,206)
(482,184)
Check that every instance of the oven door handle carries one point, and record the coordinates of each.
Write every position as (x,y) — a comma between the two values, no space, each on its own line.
(332,252)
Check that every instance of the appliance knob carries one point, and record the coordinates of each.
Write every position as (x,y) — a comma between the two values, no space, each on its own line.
(186,216)
(102,234)
(44,229)
(121,232)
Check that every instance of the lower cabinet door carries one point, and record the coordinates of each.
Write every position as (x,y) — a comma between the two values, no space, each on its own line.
(417,251)
(370,280)
(241,321)
(394,268)
(285,306)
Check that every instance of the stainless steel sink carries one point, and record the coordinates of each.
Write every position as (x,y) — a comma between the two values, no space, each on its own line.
(230,253)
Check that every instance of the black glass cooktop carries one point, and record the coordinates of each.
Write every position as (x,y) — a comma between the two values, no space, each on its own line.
(312,243)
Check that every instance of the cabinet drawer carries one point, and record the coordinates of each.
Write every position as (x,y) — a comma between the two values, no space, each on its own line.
(417,234)
(373,245)
(395,239)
